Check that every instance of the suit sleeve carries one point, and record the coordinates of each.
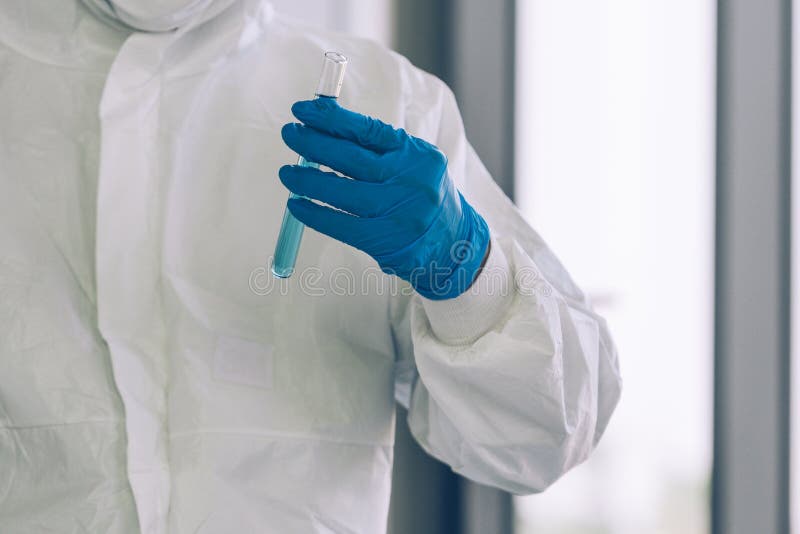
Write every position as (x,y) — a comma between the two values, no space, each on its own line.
(513,382)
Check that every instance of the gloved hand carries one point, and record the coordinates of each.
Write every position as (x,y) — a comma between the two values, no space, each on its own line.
(396,201)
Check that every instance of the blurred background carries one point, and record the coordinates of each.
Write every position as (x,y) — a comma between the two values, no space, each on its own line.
(649,142)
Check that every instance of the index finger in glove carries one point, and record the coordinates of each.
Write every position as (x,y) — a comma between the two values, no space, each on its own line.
(326,115)
(339,154)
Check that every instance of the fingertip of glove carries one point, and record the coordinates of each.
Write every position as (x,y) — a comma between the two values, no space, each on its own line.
(309,110)
(290,130)
(300,108)
(297,207)
(285,173)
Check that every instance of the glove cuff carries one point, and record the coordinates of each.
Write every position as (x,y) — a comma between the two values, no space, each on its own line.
(462,320)
(456,272)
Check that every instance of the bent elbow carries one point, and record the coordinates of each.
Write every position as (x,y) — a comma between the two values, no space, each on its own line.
(526,468)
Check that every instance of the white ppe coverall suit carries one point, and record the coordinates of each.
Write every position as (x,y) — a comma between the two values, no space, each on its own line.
(154,378)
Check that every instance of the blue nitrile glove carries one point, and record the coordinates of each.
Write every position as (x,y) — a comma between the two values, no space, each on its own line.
(397,202)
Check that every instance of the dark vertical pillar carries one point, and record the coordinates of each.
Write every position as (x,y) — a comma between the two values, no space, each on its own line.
(752,379)
(482,71)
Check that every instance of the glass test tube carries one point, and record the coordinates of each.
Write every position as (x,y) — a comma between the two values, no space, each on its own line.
(291,233)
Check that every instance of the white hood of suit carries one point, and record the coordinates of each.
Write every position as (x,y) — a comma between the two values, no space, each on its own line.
(157,15)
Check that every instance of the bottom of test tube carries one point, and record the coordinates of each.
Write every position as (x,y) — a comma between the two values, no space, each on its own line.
(282,273)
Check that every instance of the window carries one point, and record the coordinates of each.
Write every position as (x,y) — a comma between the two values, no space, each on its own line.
(615,168)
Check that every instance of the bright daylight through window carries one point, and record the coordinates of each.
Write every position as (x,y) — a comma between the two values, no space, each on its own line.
(615,168)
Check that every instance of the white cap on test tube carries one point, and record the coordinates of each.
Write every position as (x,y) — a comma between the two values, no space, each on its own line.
(330,81)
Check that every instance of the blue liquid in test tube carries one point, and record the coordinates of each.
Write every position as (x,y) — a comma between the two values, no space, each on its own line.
(291,233)
(289,237)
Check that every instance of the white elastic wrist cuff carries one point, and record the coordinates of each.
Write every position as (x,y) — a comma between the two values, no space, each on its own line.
(465,318)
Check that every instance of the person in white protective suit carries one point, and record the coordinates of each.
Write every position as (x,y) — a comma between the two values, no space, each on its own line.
(153,379)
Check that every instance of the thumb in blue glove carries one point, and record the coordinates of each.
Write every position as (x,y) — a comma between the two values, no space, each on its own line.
(395,202)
